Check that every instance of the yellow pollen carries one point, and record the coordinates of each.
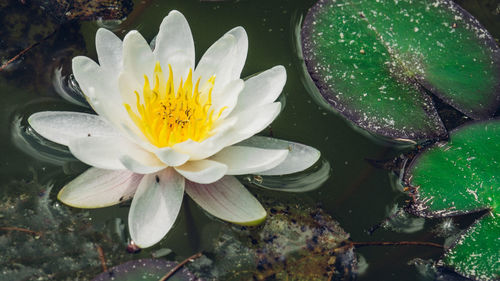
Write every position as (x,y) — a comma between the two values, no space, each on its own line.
(167,117)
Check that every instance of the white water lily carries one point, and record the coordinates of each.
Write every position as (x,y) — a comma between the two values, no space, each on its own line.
(164,127)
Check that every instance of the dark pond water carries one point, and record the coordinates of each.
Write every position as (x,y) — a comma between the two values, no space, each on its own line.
(358,195)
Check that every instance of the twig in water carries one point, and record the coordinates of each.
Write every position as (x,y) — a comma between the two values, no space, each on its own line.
(7,228)
(401,243)
(100,252)
(26,50)
(181,264)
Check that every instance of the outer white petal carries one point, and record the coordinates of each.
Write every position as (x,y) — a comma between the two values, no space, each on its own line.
(62,126)
(171,157)
(138,57)
(241,50)
(218,60)
(262,89)
(99,88)
(109,50)
(155,207)
(108,152)
(175,45)
(300,156)
(242,160)
(94,82)
(97,188)
(202,171)
(88,74)
(228,200)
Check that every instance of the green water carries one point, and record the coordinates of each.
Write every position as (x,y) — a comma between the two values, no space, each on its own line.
(357,194)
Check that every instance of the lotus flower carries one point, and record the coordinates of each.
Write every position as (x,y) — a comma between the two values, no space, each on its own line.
(164,127)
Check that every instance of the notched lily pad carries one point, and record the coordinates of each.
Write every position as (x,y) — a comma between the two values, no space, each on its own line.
(375,62)
(146,270)
(294,243)
(458,177)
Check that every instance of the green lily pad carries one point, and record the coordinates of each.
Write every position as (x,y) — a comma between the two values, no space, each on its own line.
(146,270)
(458,177)
(376,62)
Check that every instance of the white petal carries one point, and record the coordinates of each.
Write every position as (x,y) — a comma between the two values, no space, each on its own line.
(211,145)
(138,57)
(155,207)
(89,76)
(234,130)
(228,200)
(97,188)
(99,88)
(241,51)
(128,85)
(140,167)
(171,157)
(218,60)
(62,126)
(300,156)
(227,98)
(242,160)
(109,50)
(108,152)
(175,45)
(252,121)
(262,89)
(136,136)
(202,171)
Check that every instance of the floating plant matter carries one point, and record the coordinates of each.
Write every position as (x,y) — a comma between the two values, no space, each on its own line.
(294,243)
(460,177)
(376,63)
(42,239)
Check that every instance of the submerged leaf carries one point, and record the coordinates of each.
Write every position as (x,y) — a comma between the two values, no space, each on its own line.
(375,61)
(460,177)
(294,243)
(42,239)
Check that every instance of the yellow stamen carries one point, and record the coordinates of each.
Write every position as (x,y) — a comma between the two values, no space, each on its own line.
(166,117)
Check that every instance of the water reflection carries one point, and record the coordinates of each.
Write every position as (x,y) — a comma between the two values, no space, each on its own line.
(28,141)
(308,180)
(67,87)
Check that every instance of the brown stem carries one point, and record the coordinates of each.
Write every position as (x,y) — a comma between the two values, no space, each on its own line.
(181,264)
(400,243)
(100,252)
(8,228)
(26,50)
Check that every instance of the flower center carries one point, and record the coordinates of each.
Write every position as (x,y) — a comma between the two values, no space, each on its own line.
(166,117)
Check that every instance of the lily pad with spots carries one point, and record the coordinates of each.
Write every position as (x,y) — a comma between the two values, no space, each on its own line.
(379,63)
(458,177)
